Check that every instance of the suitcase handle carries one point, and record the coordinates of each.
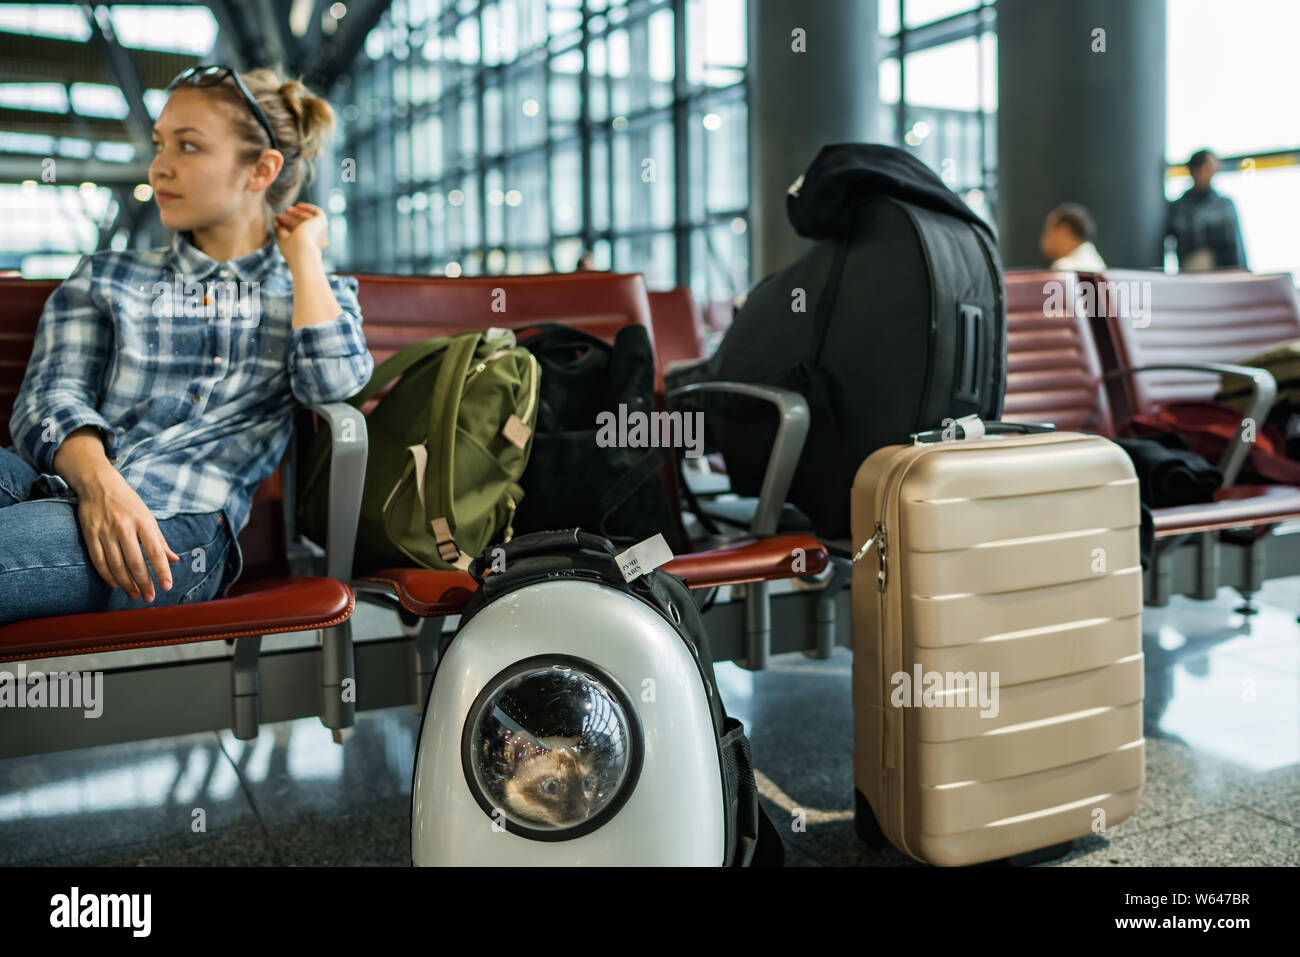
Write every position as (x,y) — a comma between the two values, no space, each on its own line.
(961,425)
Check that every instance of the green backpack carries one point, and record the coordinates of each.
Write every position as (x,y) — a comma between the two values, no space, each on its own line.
(448,445)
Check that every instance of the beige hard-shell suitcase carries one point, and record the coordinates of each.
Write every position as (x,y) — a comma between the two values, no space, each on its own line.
(1002,575)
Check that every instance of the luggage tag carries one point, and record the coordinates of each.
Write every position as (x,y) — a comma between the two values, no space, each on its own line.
(643,557)
(972,427)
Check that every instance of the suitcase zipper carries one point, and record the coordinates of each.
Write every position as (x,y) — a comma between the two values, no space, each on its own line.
(891,726)
(882,581)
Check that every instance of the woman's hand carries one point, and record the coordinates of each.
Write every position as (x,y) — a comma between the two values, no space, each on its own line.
(115,523)
(119,531)
(301,227)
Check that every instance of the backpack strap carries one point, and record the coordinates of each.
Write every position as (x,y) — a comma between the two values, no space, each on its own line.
(398,363)
(444,407)
(692,500)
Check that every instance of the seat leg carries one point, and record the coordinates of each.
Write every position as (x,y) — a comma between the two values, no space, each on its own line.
(338,678)
(1207,566)
(1254,579)
(245,686)
(826,620)
(1159,576)
(758,627)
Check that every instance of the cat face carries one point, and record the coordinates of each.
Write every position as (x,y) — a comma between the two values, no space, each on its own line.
(551,782)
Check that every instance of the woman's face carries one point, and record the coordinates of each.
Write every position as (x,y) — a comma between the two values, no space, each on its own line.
(196,175)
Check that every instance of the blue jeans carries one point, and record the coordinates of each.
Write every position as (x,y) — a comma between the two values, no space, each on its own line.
(45,569)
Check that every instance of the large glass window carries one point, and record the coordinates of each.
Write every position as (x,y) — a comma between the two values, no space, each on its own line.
(1231,80)
(525,132)
(938,86)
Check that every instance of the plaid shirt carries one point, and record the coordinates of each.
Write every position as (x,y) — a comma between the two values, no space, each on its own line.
(195,410)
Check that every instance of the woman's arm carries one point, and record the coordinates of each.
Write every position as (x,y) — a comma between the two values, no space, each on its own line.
(328,359)
(116,525)
(58,428)
(313,299)
(60,393)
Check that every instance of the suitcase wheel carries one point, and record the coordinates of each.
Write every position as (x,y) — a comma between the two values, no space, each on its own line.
(864,822)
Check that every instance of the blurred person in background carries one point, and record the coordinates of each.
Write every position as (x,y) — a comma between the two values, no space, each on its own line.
(1203,222)
(1067,239)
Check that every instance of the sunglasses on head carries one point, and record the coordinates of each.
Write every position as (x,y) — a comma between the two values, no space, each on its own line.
(212,75)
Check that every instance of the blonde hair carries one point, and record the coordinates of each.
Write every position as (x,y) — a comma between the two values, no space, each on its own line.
(303,123)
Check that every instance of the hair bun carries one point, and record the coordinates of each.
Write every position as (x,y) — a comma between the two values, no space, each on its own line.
(292,91)
(313,116)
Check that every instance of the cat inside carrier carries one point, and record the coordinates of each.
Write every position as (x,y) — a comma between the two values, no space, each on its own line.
(574,719)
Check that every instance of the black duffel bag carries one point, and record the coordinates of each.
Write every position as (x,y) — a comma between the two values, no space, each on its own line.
(571,480)
(893,321)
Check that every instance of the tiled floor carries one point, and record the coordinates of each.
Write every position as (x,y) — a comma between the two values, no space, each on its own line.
(1223,768)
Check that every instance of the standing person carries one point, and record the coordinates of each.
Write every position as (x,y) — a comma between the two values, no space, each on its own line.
(146,418)
(1203,222)
(1067,239)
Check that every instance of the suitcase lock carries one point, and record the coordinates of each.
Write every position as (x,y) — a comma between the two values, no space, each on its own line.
(877,538)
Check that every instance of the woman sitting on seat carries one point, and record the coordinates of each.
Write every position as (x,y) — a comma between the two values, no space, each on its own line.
(161,389)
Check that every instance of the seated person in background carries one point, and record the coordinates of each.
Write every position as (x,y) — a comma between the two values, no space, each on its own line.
(1067,239)
(1203,222)
(144,424)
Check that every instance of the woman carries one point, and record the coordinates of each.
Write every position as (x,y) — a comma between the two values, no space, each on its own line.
(161,389)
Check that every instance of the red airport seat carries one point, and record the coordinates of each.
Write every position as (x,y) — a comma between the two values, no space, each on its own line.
(259,607)
(266,600)
(399,310)
(1053,372)
(1055,375)
(1191,319)
(678,327)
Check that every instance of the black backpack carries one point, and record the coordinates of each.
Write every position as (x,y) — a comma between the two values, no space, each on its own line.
(570,480)
(751,838)
(893,321)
